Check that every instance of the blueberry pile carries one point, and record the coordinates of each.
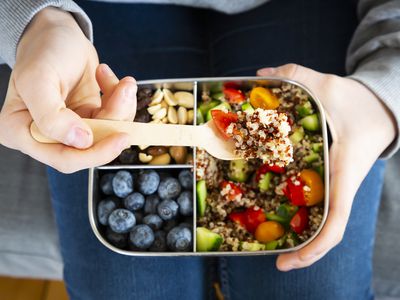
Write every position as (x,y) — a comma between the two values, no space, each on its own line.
(146,210)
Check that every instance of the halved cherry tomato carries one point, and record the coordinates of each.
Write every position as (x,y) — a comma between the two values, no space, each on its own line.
(264,168)
(239,218)
(231,85)
(263,98)
(234,192)
(314,192)
(269,231)
(299,222)
(222,120)
(254,217)
(234,95)
(294,191)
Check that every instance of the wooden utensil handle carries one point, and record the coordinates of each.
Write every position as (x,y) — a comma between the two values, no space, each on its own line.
(139,133)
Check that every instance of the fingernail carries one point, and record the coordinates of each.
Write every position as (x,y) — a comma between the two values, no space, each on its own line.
(78,138)
(129,91)
(266,71)
(286,268)
(105,69)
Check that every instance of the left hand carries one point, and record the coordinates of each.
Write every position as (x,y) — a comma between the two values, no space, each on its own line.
(349,106)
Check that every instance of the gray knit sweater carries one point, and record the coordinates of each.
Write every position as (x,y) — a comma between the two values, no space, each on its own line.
(373,55)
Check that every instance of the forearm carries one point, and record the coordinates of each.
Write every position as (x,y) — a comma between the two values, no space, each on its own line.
(374,57)
(16,15)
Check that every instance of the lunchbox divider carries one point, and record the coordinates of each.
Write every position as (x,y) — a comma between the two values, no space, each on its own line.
(195,94)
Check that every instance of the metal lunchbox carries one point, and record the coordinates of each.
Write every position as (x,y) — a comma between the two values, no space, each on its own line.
(201,89)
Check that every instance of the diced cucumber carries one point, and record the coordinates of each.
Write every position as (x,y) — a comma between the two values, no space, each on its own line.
(238,170)
(216,87)
(246,246)
(199,117)
(317,147)
(320,170)
(311,123)
(201,191)
(264,182)
(218,96)
(311,158)
(297,135)
(304,109)
(206,106)
(221,106)
(287,211)
(206,240)
(247,108)
(271,245)
(275,217)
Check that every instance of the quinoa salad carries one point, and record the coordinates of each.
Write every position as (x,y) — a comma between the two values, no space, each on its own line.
(273,197)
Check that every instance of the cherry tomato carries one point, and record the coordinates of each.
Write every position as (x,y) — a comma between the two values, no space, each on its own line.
(314,190)
(267,168)
(269,231)
(234,192)
(231,85)
(254,217)
(263,98)
(238,217)
(299,222)
(294,191)
(234,95)
(222,120)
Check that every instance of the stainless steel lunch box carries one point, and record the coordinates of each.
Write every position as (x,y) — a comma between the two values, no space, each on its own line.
(197,85)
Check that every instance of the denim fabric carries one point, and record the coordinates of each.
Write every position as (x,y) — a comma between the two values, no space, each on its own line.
(156,41)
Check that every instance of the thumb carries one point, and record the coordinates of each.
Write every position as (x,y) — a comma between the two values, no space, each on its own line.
(306,76)
(53,119)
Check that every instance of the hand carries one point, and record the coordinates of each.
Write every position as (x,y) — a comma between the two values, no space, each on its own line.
(349,106)
(56,81)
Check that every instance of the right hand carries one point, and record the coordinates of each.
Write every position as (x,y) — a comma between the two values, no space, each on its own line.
(57,80)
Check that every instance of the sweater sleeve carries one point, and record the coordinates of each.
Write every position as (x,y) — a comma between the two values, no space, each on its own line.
(15,16)
(373,56)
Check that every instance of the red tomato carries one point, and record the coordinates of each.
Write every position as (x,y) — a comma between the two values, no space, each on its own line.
(295,192)
(238,217)
(231,85)
(222,120)
(234,95)
(299,222)
(267,168)
(234,190)
(254,217)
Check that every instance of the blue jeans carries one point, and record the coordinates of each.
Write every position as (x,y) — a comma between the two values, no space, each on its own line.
(154,41)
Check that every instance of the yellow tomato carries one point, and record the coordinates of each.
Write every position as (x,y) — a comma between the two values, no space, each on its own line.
(269,231)
(263,98)
(315,191)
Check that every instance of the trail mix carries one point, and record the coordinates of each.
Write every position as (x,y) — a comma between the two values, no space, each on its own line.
(161,106)
(269,200)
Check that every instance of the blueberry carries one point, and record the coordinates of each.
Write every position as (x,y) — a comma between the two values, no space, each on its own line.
(129,156)
(186,225)
(121,220)
(138,216)
(168,225)
(154,221)
(148,182)
(185,201)
(167,209)
(104,209)
(119,240)
(141,236)
(106,183)
(186,179)
(134,201)
(151,203)
(169,188)
(179,239)
(160,242)
(122,184)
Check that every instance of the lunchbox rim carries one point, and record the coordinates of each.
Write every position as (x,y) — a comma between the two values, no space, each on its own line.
(196,81)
